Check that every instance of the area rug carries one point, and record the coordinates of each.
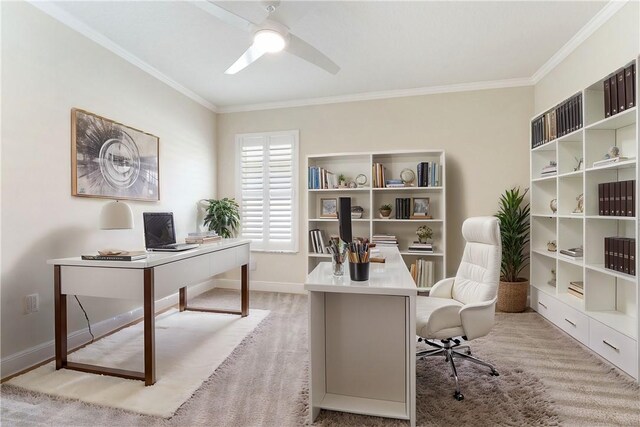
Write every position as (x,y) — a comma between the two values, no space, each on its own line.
(189,347)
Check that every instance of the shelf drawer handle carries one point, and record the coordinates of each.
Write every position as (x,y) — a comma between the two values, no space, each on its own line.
(569,322)
(610,345)
(542,304)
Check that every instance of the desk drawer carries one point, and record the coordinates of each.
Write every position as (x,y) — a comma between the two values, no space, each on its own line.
(222,261)
(170,277)
(617,348)
(572,322)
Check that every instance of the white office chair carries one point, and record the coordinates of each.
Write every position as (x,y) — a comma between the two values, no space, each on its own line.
(463,306)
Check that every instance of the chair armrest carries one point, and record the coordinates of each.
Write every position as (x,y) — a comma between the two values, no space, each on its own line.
(477,318)
(442,289)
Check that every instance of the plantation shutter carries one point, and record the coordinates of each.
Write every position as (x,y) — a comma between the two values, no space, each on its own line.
(267,167)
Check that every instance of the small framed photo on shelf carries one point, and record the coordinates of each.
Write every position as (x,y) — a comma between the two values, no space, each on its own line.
(420,207)
(329,208)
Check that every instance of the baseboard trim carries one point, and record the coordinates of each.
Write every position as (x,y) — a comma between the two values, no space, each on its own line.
(256,285)
(27,359)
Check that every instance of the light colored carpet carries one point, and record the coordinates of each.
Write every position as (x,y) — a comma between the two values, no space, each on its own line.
(263,382)
(189,347)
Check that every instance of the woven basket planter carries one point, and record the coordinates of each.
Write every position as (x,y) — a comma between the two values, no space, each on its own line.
(512,296)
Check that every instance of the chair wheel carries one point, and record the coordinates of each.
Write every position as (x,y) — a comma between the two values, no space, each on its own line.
(469,352)
(458,396)
(495,373)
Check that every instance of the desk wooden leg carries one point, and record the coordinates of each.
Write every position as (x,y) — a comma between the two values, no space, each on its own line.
(183,298)
(245,291)
(60,302)
(149,329)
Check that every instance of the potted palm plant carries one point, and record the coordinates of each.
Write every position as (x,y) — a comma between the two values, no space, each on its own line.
(223,216)
(513,216)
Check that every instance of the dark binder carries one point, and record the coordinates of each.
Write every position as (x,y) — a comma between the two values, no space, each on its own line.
(625,256)
(612,253)
(631,198)
(607,98)
(600,199)
(629,86)
(579,111)
(623,198)
(613,82)
(622,104)
(620,250)
(605,197)
(616,188)
(612,198)
(606,252)
(632,257)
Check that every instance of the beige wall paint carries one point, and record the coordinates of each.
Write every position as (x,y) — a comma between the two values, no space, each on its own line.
(484,133)
(48,69)
(611,46)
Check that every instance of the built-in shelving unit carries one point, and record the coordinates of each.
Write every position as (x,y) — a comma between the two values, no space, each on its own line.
(353,164)
(606,317)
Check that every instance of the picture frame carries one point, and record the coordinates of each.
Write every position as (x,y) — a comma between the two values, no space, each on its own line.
(420,207)
(329,207)
(111,160)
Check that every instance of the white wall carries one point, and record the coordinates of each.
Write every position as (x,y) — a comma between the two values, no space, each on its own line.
(484,133)
(610,47)
(47,70)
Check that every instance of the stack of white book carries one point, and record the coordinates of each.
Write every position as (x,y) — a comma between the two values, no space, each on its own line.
(202,237)
(384,240)
(418,247)
(550,169)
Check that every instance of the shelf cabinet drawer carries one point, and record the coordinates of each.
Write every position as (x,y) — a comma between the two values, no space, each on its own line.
(617,348)
(544,304)
(573,322)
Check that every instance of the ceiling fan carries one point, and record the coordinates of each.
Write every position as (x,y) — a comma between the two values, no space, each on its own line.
(269,36)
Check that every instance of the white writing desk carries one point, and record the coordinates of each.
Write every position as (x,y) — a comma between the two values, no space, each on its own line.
(157,276)
(363,341)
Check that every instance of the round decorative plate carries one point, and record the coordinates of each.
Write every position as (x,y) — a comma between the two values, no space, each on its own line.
(407,176)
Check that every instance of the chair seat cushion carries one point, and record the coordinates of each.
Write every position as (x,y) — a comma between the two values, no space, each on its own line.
(445,324)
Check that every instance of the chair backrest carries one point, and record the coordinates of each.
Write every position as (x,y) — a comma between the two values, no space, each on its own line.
(479,271)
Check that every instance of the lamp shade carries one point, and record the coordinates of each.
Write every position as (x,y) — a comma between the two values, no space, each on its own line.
(116,215)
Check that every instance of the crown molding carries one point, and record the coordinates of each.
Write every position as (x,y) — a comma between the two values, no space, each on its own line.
(70,21)
(583,34)
(369,96)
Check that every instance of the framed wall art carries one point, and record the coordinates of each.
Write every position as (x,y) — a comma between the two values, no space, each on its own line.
(111,160)
(421,207)
(329,208)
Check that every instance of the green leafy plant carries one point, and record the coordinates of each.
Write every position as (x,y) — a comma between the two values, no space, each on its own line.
(386,207)
(513,215)
(424,233)
(223,216)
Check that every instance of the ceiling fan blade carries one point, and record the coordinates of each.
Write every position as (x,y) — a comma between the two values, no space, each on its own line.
(249,56)
(225,16)
(304,50)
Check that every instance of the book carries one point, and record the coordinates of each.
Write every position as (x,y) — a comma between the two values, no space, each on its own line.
(125,256)
(202,240)
(210,233)
(613,82)
(607,98)
(630,85)
(575,294)
(622,104)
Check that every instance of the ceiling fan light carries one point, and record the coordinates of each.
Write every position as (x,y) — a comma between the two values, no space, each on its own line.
(269,41)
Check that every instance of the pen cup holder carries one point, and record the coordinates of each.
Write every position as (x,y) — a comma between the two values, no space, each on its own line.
(359,272)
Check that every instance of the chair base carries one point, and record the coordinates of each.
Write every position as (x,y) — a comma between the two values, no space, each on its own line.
(450,348)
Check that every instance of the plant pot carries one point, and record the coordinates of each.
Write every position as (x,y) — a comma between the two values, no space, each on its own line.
(512,296)
(384,213)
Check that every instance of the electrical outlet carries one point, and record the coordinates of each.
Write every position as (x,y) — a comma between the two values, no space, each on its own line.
(31,303)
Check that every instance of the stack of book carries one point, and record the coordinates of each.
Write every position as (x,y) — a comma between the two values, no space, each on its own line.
(573,253)
(564,118)
(418,247)
(394,183)
(620,254)
(320,179)
(403,208)
(203,237)
(620,91)
(377,172)
(423,273)
(116,256)
(428,174)
(576,289)
(385,240)
(316,239)
(617,198)
(550,169)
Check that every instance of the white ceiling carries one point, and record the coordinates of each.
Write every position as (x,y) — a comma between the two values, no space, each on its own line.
(380,46)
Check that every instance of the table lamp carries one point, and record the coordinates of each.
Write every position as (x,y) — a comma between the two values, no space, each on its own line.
(115,216)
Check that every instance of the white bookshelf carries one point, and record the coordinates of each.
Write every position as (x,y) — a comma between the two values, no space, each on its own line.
(606,319)
(353,164)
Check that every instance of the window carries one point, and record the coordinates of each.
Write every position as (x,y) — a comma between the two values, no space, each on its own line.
(267,189)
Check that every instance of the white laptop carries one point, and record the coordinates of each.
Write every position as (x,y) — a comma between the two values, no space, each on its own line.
(160,233)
